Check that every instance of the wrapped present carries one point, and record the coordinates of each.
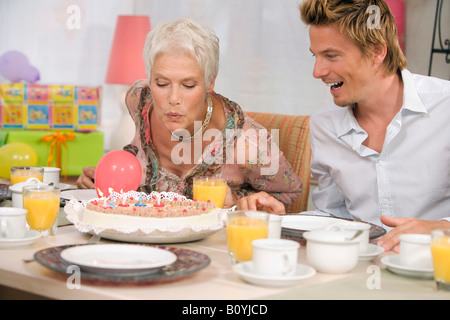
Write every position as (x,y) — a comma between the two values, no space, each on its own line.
(49,107)
(70,151)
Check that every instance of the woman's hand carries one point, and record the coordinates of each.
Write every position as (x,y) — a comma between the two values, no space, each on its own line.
(86,180)
(261,201)
(230,199)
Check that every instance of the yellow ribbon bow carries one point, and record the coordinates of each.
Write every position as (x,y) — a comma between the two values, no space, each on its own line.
(56,140)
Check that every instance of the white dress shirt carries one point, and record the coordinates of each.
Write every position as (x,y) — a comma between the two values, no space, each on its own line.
(409,178)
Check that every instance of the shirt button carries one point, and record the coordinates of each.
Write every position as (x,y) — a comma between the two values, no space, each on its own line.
(354,148)
(380,163)
(385,201)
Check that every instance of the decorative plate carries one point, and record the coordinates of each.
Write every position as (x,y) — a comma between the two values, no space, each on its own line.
(188,262)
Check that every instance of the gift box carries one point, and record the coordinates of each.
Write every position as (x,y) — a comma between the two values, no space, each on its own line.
(70,151)
(47,107)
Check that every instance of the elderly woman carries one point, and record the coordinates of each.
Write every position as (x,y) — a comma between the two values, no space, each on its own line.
(185,130)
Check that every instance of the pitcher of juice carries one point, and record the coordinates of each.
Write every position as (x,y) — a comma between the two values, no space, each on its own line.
(210,188)
(21,174)
(42,204)
(242,228)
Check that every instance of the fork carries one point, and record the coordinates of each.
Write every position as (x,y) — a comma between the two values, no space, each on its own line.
(94,239)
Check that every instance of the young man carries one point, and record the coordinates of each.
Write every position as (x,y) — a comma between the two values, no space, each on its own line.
(381,153)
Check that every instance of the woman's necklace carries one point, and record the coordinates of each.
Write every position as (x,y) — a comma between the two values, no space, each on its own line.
(202,129)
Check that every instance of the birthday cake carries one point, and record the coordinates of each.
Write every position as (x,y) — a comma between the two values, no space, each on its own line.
(139,211)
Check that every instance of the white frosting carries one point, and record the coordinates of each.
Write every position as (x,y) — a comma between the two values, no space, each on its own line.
(120,221)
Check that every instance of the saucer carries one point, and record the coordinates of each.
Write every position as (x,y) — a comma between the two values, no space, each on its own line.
(370,253)
(65,186)
(393,263)
(244,269)
(30,237)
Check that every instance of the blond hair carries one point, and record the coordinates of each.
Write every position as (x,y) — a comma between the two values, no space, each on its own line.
(367,23)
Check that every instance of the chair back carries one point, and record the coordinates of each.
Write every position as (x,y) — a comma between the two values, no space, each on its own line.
(294,142)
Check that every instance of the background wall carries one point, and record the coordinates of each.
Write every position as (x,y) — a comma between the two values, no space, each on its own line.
(265,61)
(419,31)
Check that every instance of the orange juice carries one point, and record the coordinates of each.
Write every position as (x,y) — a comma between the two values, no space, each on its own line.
(213,189)
(23,175)
(440,250)
(241,231)
(43,207)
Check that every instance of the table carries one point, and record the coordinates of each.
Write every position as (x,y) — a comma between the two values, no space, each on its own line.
(215,282)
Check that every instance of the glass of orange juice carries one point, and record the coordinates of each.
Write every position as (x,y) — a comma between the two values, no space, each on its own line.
(440,251)
(42,204)
(210,188)
(21,174)
(242,228)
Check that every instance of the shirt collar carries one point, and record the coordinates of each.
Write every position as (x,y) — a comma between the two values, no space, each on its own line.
(411,101)
(348,123)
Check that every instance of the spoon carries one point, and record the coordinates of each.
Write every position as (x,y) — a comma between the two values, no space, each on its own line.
(355,235)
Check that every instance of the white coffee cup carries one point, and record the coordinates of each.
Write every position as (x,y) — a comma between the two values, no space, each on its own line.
(274,226)
(51,175)
(355,226)
(13,223)
(331,251)
(415,250)
(275,257)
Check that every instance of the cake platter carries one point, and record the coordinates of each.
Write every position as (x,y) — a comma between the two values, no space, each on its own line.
(187,235)
(75,208)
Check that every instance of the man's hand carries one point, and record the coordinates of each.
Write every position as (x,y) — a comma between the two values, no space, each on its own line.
(406,225)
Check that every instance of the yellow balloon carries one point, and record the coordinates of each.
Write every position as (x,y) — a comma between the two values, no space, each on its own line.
(16,154)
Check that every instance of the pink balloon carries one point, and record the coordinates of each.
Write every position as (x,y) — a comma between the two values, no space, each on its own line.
(117,171)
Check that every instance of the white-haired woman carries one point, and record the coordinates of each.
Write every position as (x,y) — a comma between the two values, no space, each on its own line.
(184,129)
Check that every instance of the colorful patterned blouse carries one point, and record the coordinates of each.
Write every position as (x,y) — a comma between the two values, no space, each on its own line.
(264,169)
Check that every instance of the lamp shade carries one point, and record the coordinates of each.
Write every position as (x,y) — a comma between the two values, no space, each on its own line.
(126,64)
